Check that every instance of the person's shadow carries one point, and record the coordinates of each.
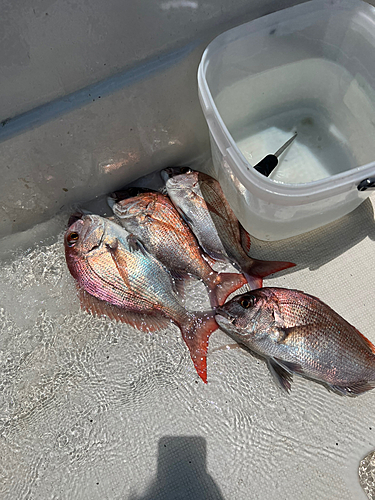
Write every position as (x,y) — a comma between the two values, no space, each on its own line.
(182,473)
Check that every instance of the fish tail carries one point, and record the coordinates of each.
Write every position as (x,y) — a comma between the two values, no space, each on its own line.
(221,285)
(259,269)
(196,334)
(227,283)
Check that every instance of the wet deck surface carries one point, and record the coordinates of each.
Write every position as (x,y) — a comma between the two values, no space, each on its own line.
(91,409)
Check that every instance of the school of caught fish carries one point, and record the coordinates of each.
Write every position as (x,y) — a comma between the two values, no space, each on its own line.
(132,269)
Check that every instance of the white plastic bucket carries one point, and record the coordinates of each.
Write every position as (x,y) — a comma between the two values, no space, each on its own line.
(310,69)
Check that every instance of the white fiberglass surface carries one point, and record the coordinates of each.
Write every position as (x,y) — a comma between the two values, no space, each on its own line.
(91,409)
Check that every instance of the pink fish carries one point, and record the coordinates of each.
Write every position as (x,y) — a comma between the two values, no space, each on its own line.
(298,333)
(152,219)
(129,286)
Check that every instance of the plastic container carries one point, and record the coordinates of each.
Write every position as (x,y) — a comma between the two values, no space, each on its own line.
(310,69)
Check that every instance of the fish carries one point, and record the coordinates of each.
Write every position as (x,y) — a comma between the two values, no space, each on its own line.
(131,286)
(297,333)
(200,201)
(152,220)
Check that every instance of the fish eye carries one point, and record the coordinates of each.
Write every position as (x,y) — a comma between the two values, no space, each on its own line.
(185,170)
(72,239)
(247,302)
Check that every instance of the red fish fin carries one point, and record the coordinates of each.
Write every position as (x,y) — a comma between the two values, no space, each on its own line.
(254,281)
(354,389)
(368,344)
(223,285)
(196,335)
(143,322)
(245,239)
(263,268)
(213,210)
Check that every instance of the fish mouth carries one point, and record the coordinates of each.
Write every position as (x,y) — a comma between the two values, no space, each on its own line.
(74,217)
(222,314)
(79,214)
(124,211)
(131,192)
(169,172)
(94,222)
(166,174)
(226,324)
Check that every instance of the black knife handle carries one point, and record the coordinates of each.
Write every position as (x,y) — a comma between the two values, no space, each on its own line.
(266,165)
(368,183)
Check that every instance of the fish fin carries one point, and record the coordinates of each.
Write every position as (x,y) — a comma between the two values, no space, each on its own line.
(282,375)
(185,217)
(354,389)
(143,322)
(212,209)
(135,244)
(223,285)
(263,268)
(210,261)
(245,239)
(120,262)
(284,333)
(163,190)
(254,281)
(178,285)
(367,343)
(180,275)
(212,191)
(290,366)
(196,334)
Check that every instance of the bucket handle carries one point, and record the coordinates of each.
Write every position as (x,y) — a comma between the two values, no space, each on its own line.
(368,183)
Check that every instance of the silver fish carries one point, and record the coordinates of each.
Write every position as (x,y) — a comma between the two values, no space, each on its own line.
(202,204)
(298,333)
